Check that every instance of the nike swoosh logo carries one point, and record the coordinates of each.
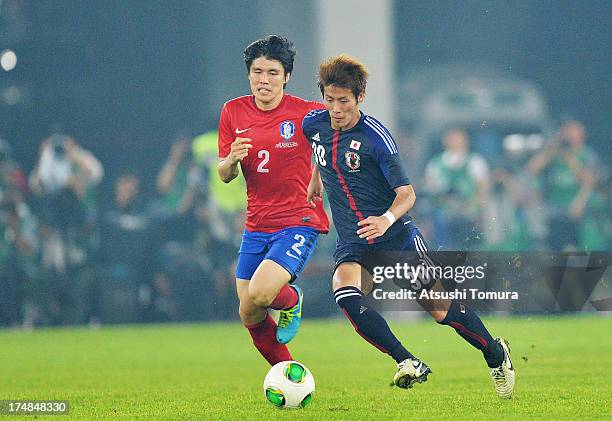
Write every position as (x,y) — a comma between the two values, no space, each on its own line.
(242,131)
(291,255)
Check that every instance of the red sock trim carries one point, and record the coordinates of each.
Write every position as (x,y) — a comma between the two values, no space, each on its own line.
(468,332)
(286,298)
(256,325)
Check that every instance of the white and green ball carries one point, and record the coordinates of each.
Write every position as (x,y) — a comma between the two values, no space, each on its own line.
(289,384)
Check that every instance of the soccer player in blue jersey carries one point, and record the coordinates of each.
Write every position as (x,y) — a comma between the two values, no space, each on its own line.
(369,193)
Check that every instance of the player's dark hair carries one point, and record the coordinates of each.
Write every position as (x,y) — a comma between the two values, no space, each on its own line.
(343,71)
(271,47)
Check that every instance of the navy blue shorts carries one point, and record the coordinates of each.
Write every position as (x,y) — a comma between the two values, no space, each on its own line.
(410,239)
(291,248)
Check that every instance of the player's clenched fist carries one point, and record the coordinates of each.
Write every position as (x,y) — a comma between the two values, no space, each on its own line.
(240,149)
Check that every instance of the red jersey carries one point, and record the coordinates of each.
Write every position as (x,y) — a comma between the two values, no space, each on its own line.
(278,167)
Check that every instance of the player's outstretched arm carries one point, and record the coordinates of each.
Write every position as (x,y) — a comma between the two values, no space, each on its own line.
(228,166)
(375,226)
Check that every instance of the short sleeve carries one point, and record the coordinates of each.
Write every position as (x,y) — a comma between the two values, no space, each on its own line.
(226,137)
(309,121)
(393,170)
(385,152)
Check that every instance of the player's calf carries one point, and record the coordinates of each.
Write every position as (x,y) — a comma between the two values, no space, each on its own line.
(469,326)
(369,323)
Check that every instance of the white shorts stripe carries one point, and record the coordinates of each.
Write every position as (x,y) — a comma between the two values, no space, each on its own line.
(420,241)
(417,247)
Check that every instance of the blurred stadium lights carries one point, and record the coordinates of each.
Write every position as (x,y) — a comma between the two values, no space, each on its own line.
(8,60)
(519,144)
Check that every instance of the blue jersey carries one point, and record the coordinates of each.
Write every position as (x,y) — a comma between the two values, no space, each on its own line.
(360,169)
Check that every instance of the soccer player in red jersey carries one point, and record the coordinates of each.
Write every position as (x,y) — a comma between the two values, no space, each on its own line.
(262,134)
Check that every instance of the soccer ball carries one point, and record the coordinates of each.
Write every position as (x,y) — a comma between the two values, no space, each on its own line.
(289,384)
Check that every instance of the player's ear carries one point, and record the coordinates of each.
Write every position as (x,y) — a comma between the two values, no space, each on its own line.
(361,97)
(287,77)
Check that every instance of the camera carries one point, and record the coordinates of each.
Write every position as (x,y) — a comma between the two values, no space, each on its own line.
(58,143)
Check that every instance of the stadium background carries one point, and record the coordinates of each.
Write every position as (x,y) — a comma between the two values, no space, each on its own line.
(126,80)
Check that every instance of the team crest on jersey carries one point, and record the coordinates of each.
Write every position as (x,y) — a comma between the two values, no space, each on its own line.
(287,129)
(353,161)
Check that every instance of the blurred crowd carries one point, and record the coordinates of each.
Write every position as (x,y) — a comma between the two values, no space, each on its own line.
(517,195)
(72,254)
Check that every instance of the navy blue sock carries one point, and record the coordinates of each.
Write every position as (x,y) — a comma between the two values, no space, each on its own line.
(469,326)
(369,323)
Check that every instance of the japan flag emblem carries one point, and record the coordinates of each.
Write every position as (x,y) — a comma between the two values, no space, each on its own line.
(355,145)
(352,161)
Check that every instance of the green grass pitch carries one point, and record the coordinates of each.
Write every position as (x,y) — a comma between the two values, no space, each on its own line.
(212,371)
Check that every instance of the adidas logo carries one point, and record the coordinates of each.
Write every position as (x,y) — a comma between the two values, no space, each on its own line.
(316,137)
(362,309)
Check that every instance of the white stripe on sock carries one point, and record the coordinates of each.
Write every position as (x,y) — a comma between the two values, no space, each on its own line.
(347,294)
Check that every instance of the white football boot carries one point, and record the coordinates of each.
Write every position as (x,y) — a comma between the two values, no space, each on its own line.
(409,372)
(504,375)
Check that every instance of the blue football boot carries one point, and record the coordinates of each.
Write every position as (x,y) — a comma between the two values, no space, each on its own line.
(290,319)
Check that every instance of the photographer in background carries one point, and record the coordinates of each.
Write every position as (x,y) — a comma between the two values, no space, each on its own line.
(64,180)
(571,176)
(179,181)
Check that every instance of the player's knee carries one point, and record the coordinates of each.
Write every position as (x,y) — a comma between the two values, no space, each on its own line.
(347,274)
(260,297)
(339,282)
(249,315)
(244,315)
(439,315)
